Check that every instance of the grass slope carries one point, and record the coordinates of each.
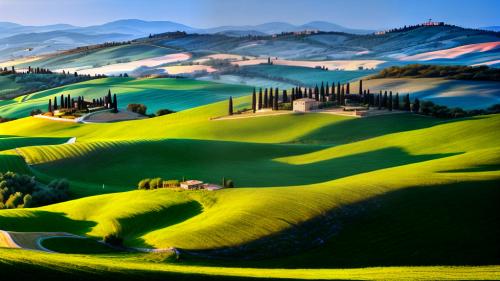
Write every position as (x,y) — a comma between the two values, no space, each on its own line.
(174,94)
(63,267)
(95,58)
(452,93)
(378,191)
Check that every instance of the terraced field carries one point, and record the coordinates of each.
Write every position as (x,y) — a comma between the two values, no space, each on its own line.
(314,193)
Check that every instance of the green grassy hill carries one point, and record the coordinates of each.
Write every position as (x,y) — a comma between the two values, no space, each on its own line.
(313,191)
(95,58)
(173,94)
(465,94)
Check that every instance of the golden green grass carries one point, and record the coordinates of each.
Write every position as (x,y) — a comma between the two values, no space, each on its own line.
(388,181)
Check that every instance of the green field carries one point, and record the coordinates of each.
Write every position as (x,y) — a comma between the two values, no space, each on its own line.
(391,196)
(286,76)
(95,58)
(173,94)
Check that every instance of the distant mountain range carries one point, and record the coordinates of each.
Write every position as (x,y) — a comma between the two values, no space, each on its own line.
(18,40)
(135,28)
(22,40)
(491,28)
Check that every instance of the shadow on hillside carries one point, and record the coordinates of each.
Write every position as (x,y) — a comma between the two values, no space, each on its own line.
(247,164)
(353,130)
(452,224)
(26,220)
(137,225)
(331,169)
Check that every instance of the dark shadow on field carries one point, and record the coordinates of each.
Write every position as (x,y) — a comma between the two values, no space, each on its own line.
(479,168)
(353,130)
(25,269)
(247,164)
(137,225)
(27,220)
(11,142)
(13,163)
(452,224)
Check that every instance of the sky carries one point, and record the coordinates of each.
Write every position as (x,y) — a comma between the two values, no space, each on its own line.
(366,14)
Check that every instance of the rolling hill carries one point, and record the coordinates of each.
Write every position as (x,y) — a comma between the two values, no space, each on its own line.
(329,178)
(173,94)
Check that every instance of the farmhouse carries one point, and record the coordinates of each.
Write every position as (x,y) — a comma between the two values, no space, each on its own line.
(192,184)
(305,105)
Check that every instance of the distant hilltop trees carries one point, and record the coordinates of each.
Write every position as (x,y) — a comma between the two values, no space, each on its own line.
(458,72)
(173,34)
(412,27)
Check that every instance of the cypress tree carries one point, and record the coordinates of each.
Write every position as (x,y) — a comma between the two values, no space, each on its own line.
(109,99)
(260,98)
(316,92)
(292,95)
(389,102)
(69,102)
(55,103)
(348,89)
(285,97)
(115,104)
(62,101)
(322,92)
(230,105)
(275,107)
(396,102)
(265,98)
(416,106)
(360,86)
(333,91)
(338,94)
(384,100)
(327,90)
(406,103)
(253,100)
(271,98)
(50,105)
(342,95)
(379,101)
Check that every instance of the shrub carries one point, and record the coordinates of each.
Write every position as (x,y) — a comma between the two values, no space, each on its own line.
(155,183)
(35,112)
(137,108)
(14,200)
(161,112)
(144,184)
(228,183)
(18,191)
(113,239)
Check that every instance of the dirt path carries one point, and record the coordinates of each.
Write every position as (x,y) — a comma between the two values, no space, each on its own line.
(6,240)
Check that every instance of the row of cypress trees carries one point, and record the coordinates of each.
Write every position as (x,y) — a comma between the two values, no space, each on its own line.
(337,92)
(66,102)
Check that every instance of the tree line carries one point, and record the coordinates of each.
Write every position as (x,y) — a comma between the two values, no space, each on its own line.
(340,95)
(459,72)
(67,102)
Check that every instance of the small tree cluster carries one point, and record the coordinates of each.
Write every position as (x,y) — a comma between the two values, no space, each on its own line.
(23,191)
(137,108)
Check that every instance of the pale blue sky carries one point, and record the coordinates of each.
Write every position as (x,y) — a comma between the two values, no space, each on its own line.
(369,14)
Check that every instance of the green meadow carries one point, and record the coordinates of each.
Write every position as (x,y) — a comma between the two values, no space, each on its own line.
(317,196)
(173,94)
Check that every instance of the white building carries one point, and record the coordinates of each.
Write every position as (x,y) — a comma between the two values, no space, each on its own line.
(305,105)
